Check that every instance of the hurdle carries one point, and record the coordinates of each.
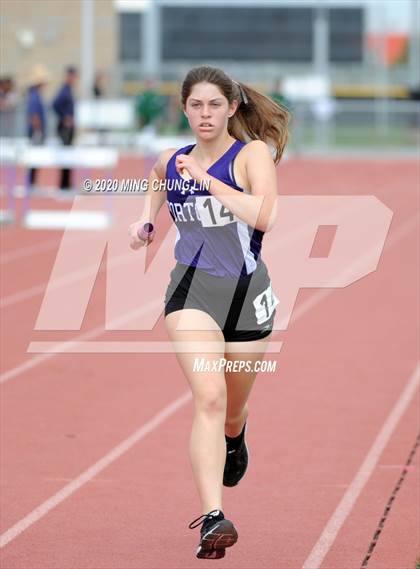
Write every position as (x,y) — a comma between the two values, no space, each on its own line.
(10,150)
(80,159)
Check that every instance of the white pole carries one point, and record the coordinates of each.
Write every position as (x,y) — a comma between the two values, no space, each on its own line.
(414,47)
(321,63)
(321,41)
(151,40)
(87,47)
(384,77)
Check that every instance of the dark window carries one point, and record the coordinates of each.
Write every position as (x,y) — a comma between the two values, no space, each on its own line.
(251,34)
(346,35)
(130,36)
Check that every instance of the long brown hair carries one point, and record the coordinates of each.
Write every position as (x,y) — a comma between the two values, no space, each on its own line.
(257,117)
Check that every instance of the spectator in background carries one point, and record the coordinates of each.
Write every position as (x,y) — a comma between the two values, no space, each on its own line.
(2,106)
(183,125)
(9,100)
(63,105)
(36,124)
(98,85)
(149,106)
(2,92)
(278,96)
(98,91)
(414,94)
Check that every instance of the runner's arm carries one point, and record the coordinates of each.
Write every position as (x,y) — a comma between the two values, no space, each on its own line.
(155,199)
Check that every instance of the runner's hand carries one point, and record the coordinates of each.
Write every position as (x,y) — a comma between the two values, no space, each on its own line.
(135,241)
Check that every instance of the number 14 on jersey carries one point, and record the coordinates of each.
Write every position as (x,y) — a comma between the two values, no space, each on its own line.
(212,213)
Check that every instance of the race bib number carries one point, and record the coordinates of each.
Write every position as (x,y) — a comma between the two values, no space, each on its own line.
(212,213)
(264,304)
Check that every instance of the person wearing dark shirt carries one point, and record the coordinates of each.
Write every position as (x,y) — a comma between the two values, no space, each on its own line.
(36,124)
(98,85)
(63,105)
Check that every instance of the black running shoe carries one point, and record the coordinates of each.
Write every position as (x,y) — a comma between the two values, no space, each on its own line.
(217,533)
(236,462)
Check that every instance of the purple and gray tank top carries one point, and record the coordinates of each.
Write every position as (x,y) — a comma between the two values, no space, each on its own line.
(209,236)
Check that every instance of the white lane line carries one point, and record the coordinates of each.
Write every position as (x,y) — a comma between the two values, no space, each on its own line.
(320,294)
(86,476)
(70,344)
(29,250)
(344,508)
(70,278)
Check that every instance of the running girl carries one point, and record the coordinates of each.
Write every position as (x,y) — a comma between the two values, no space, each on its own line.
(220,292)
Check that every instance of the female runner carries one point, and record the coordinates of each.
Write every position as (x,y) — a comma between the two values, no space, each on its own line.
(220,292)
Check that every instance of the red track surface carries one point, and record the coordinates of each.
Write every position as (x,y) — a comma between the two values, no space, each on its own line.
(342,373)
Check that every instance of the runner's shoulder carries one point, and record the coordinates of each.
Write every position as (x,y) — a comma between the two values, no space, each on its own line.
(256,147)
(162,161)
(256,151)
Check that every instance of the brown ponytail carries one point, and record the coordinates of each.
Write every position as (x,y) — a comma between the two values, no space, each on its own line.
(257,117)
